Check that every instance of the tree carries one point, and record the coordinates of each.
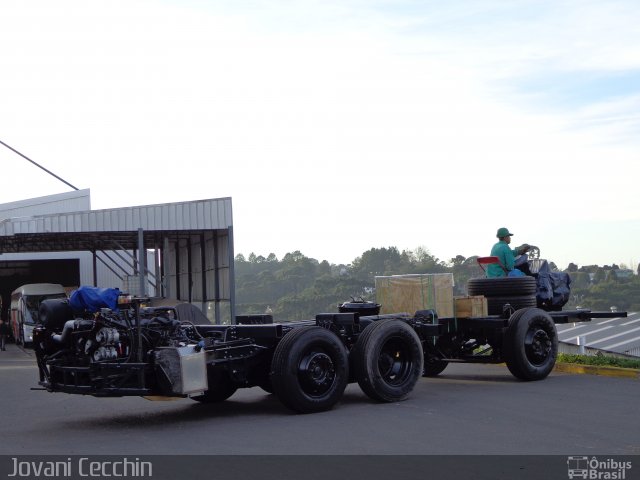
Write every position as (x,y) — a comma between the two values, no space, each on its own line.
(599,276)
(377,261)
(298,287)
(580,280)
(324,268)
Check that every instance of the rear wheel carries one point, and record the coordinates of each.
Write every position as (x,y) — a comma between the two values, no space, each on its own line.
(220,387)
(433,367)
(266,386)
(530,344)
(388,360)
(310,369)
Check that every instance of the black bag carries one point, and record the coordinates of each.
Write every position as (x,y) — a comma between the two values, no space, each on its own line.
(553,289)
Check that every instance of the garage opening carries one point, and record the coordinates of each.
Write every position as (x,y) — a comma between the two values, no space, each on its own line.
(20,272)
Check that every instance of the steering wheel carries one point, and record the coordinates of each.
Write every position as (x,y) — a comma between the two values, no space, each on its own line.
(533,253)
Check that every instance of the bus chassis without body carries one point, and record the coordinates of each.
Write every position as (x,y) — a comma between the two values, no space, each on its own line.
(306,364)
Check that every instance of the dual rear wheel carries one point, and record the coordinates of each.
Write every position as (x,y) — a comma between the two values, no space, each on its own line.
(310,368)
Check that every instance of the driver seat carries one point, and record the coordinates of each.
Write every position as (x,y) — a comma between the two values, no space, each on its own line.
(482,261)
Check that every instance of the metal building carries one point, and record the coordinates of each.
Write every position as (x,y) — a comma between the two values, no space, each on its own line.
(187,248)
(619,335)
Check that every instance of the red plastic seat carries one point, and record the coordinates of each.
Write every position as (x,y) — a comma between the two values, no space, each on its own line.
(482,261)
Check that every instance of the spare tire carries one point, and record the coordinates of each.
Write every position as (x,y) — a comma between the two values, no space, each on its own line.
(502,287)
(54,313)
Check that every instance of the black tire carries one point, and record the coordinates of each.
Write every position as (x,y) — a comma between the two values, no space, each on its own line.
(502,287)
(495,304)
(388,360)
(266,386)
(530,344)
(433,367)
(220,387)
(310,369)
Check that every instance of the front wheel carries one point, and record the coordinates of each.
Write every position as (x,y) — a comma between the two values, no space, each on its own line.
(310,369)
(530,344)
(388,360)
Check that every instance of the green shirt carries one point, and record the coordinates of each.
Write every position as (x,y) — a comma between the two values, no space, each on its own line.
(506,256)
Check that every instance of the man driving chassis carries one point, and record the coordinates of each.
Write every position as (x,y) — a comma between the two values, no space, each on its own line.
(506,256)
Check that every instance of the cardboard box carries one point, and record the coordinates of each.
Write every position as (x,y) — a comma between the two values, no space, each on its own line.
(410,293)
(475,306)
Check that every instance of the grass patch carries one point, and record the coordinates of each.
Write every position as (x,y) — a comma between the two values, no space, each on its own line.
(599,359)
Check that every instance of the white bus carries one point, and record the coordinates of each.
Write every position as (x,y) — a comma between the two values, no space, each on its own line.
(25,306)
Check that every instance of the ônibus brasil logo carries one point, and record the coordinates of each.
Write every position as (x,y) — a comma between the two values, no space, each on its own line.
(596,469)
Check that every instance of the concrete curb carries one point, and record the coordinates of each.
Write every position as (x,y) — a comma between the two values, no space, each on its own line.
(597,370)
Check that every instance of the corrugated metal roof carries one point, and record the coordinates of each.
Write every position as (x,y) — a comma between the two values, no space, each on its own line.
(619,334)
(213,214)
(84,230)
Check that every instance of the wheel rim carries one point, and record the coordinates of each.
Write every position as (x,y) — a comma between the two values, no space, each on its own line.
(394,362)
(537,345)
(316,373)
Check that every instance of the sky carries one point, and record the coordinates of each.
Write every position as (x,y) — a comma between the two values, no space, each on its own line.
(338,126)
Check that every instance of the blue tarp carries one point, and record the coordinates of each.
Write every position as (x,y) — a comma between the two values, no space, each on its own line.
(92,299)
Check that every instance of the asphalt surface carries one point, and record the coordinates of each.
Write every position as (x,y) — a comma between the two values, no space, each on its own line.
(468,410)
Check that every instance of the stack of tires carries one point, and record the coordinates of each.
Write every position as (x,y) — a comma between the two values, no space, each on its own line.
(519,292)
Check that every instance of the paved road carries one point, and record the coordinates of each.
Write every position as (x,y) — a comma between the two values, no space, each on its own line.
(470,409)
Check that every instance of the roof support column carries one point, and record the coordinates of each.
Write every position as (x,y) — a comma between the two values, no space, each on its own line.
(216,276)
(95,268)
(178,290)
(203,266)
(232,276)
(189,270)
(142,262)
(166,283)
(156,259)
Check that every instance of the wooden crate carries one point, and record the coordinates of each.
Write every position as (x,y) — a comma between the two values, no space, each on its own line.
(474,306)
(410,293)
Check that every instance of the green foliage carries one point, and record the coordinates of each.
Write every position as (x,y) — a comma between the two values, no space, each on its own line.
(579,280)
(599,359)
(298,287)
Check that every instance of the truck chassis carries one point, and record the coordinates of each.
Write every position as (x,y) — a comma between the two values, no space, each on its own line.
(307,364)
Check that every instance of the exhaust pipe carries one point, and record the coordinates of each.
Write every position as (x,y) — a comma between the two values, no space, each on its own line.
(71,326)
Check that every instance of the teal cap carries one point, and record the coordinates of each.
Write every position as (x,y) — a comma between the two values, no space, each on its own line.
(503,232)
